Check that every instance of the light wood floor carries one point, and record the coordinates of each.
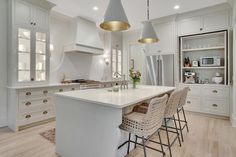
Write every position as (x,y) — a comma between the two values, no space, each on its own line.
(208,137)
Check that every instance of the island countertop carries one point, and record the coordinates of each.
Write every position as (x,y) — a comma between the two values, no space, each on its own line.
(120,99)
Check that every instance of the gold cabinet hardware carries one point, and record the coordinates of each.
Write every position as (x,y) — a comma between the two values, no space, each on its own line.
(28,116)
(215,91)
(45,112)
(28,93)
(214,105)
(45,101)
(28,104)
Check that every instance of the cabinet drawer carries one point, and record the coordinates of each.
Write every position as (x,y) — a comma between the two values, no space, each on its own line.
(26,94)
(193,103)
(36,116)
(66,89)
(216,92)
(31,104)
(214,106)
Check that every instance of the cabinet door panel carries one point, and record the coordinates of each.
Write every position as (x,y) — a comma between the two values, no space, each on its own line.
(23,13)
(216,21)
(41,18)
(189,26)
(165,32)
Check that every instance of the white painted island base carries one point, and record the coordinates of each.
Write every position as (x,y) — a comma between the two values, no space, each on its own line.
(87,123)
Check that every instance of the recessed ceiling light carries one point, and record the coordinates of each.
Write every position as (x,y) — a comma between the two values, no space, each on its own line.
(176,7)
(95,8)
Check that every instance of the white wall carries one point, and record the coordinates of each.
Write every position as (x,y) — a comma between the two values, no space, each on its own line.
(233,116)
(3,63)
(74,65)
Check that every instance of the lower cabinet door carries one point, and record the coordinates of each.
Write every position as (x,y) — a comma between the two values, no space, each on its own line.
(36,116)
(216,106)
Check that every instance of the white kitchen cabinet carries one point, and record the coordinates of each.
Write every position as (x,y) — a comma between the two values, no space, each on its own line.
(27,14)
(41,18)
(190,26)
(23,13)
(205,23)
(166,34)
(216,21)
(210,99)
(28,43)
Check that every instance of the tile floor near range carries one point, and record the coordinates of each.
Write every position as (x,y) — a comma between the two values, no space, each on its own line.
(208,137)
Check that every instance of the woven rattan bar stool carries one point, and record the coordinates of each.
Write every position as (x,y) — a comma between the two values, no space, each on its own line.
(145,125)
(171,108)
(182,102)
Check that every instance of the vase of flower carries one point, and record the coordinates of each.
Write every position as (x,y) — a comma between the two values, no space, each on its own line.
(135,77)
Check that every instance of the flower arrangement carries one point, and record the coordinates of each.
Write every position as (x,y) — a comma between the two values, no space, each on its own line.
(135,76)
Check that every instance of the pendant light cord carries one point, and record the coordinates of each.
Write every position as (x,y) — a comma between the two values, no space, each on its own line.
(148,10)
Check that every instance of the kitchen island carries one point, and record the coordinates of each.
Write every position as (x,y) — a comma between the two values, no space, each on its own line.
(87,123)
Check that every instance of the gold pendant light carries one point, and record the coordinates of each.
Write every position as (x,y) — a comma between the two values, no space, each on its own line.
(148,34)
(115,18)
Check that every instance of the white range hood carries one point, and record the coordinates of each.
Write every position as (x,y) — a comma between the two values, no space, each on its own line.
(85,38)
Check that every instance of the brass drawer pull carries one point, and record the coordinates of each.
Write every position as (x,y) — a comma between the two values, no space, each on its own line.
(28,93)
(28,104)
(72,88)
(45,92)
(45,101)
(28,116)
(215,91)
(189,102)
(45,112)
(60,90)
(214,105)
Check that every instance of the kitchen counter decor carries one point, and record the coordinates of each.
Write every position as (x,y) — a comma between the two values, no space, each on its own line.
(135,76)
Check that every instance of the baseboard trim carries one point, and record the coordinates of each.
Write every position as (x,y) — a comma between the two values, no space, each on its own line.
(233,120)
(3,122)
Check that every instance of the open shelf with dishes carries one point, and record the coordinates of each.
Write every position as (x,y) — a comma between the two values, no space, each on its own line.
(204,58)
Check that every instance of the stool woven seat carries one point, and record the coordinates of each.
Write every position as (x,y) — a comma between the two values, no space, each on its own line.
(144,125)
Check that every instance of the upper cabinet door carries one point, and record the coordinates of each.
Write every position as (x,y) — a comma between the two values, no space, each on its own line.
(166,34)
(23,13)
(216,21)
(41,18)
(190,26)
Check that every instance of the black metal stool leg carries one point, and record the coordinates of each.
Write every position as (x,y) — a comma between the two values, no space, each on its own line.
(136,138)
(181,132)
(185,119)
(177,131)
(168,139)
(162,149)
(129,143)
(144,148)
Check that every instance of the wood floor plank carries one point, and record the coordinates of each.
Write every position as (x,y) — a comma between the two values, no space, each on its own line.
(208,137)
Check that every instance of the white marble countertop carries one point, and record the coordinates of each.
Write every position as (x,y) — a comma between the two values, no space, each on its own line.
(120,99)
(44,86)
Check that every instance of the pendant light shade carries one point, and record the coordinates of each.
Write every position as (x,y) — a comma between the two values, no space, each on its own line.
(115,18)
(148,34)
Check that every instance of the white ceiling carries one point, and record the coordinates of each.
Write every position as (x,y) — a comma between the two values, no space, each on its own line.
(135,9)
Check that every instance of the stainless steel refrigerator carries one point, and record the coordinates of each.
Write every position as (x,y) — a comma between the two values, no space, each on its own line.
(160,70)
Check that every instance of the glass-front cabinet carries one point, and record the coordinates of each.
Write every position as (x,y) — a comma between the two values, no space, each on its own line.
(32,55)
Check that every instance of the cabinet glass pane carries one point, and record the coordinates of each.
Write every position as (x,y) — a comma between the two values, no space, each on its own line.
(40,43)
(40,75)
(24,54)
(24,61)
(40,67)
(23,40)
(40,60)
(23,76)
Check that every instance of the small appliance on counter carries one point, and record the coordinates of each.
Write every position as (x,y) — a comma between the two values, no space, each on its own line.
(190,77)
(217,78)
(211,61)
(195,63)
